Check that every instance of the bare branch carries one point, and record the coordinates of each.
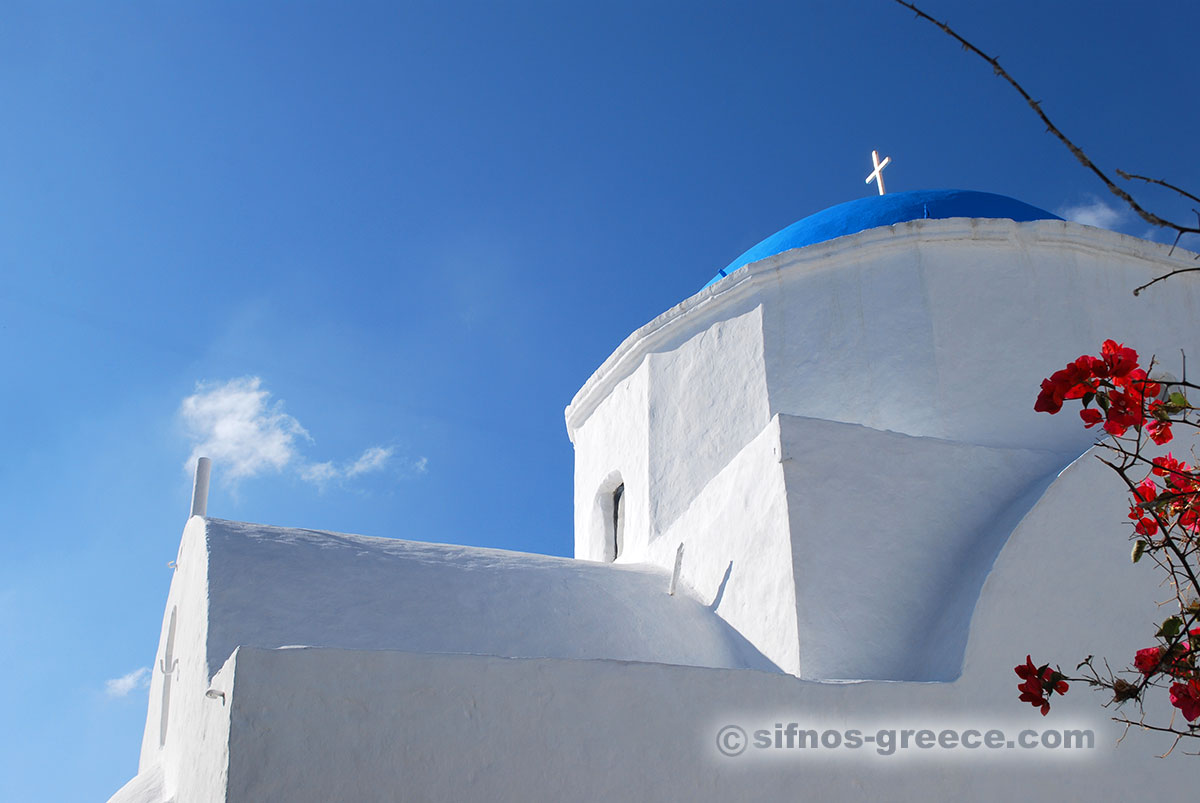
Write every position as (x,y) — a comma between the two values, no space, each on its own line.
(1078,153)
(1160,182)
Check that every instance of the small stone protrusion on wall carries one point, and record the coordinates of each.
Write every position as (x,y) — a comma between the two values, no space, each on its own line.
(675,574)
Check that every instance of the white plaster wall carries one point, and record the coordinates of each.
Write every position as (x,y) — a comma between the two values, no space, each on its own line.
(737,549)
(939,328)
(316,725)
(613,442)
(193,756)
(1064,587)
(274,586)
(892,536)
(665,390)
(945,328)
(708,399)
(319,725)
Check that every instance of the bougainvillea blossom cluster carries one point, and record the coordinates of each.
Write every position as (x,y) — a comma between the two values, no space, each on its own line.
(1038,683)
(1186,697)
(1124,394)
(1178,661)
(1179,498)
(1117,393)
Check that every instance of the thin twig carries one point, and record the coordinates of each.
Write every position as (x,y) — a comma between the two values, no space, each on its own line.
(1078,153)
(1160,182)
(1142,287)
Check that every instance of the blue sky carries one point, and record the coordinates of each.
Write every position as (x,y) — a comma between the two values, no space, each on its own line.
(365,253)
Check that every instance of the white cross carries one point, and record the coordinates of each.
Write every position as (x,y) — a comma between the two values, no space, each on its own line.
(877,173)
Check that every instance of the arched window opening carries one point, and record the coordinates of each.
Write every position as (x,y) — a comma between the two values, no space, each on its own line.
(618,521)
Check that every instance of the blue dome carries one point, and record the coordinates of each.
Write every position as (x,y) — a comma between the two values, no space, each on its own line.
(884,210)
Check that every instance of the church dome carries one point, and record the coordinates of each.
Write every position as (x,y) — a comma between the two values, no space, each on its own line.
(885,210)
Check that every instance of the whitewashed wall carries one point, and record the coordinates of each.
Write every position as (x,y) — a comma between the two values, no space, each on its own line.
(708,399)
(439,727)
(892,536)
(945,328)
(611,448)
(737,550)
(939,329)
(192,758)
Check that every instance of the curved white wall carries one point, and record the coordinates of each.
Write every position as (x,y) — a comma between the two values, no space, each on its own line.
(937,329)
(945,328)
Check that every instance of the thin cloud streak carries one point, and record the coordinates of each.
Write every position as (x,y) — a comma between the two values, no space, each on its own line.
(122,686)
(372,459)
(321,474)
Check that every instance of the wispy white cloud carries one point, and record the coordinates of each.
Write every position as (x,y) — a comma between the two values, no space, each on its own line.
(1095,213)
(1167,237)
(122,686)
(421,465)
(247,434)
(236,425)
(321,474)
(372,459)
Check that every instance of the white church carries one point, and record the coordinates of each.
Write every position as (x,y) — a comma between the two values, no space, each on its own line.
(812,497)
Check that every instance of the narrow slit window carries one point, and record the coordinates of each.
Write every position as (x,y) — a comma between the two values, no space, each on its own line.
(618,521)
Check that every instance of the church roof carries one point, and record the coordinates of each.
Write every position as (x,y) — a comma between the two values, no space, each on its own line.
(885,210)
(276,587)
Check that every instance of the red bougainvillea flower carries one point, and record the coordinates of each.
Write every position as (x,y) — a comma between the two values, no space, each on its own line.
(1146,661)
(1145,492)
(1159,431)
(1177,664)
(1159,426)
(1121,387)
(1118,361)
(1036,699)
(1186,697)
(1146,526)
(1073,382)
(1027,670)
(1115,427)
(1039,683)
(1124,411)
(1137,383)
(1169,467)
(1031,688)
(1183,484)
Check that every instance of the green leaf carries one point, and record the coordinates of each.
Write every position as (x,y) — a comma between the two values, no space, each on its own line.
(1088,398)
(1170,627)
(1102,401)
(1177,399)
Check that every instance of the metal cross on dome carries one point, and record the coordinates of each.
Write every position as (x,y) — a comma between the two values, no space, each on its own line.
(877,173)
